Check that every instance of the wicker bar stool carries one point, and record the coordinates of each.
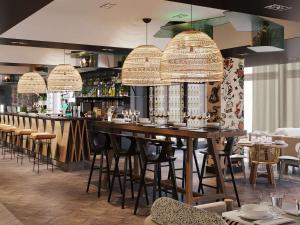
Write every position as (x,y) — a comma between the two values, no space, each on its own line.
(8,140)
(22,135)
(39,140)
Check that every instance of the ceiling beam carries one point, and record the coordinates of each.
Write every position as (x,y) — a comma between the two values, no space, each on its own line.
(13,12)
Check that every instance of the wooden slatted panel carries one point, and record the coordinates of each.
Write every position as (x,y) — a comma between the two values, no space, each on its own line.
(64,141)
(21,122)
(16,121)
(6,119)
(56,142)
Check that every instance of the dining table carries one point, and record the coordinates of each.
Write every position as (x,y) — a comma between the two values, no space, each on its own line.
(210,134)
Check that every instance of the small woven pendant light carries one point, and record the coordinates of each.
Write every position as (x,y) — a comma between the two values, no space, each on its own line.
(31,83)
(142,65)
(192,56)
(64,77)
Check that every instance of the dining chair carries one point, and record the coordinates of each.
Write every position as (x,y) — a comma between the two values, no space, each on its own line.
(287,160)
(264,155)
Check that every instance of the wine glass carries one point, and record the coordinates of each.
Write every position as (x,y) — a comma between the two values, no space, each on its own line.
(137,113)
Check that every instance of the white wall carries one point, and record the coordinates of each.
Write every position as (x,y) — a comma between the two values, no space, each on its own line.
(248,99)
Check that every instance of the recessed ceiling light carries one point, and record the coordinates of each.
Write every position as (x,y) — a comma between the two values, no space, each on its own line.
(277,7)
(107,5)
(244,54)
(179,16)
(18,43)
(107,49)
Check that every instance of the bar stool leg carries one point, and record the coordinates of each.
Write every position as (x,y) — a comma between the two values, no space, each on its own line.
(91,173)
(34,153)
(108,169)
(142,183)
(145,186)
(131,177)
(200,187)
(173,179)
(113,178)
(100,174)
(159,178)
(124,182)
(233,181)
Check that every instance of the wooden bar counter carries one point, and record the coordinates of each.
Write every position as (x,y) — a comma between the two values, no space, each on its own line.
(71,142)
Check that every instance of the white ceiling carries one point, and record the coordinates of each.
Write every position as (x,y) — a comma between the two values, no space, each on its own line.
(83,22)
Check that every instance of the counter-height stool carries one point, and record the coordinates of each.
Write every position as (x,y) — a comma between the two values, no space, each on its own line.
(127,154)
(41,139)
(180,146)
(226,154)
(149,157)
(22,135)
(3,137)
(100,145)
(8,140)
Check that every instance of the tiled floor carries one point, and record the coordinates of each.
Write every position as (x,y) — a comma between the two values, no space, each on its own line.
(59,198)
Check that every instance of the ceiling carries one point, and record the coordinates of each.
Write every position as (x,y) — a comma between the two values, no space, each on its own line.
(85,25)
(85,22)
(281,9)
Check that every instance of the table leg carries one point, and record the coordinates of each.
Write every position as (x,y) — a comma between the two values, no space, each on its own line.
(215,156)
(189,172)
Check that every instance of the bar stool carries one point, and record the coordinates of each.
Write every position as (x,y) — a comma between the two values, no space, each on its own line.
(151,158)
(226,153)
(8,139)
(126,153)
(3,143)
(100,145)
(21,135)
(39,140)
(181,147)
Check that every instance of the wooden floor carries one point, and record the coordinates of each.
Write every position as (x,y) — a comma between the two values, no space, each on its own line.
(59,198)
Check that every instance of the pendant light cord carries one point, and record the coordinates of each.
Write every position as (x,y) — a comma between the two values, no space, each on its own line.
(192,27)
(146,33)
(64,56)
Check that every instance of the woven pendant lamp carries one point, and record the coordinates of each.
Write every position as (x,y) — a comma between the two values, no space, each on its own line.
(142,65)
(193,57)
(64,77)
(31,83)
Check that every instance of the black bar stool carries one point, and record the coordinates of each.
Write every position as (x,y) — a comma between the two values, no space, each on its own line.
(226,153)
(100,145)
(39,140)
(126,153)
(152,158)
(181,147)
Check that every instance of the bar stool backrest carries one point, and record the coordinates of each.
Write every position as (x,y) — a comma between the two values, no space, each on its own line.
(144,148)
(11,120)
(116,143)
(229,145)
(99,140)
(2,119)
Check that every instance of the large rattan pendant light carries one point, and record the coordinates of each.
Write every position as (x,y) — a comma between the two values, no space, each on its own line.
(31,83)
(193,57)
(142,65)
(64,77)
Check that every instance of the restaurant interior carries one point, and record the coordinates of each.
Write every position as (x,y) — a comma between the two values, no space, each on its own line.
(161,112)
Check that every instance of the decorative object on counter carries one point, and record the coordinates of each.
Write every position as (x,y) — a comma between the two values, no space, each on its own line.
(192,56)
(31,83)
(64,77)
(142,65)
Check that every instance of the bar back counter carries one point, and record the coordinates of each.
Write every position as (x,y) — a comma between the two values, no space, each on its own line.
(70,147)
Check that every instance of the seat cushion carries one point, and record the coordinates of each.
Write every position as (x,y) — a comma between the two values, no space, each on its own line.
(23,131)
(8,129)
(42,135)
(166,211)
(287,157)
